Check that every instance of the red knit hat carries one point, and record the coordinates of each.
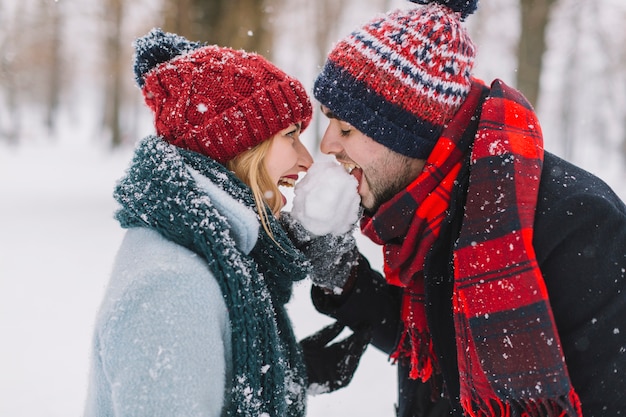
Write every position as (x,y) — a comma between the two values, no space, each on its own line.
(215,100)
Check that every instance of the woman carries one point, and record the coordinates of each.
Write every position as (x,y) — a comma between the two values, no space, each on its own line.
(193,321)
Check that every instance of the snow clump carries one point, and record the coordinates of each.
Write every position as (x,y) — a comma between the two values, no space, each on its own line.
(326,199)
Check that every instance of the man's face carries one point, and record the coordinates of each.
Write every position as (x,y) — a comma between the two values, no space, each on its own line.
(381,172)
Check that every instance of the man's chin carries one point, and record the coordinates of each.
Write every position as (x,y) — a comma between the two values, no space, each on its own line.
(367,212)
(371,204)
(369,209)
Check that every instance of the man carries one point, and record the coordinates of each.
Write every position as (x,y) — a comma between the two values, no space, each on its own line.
(504,289)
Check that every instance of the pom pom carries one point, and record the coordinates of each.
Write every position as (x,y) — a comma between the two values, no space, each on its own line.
(464,7)
(326,200)
(156,48)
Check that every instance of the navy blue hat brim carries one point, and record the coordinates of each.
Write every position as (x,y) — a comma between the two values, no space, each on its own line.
(388,124)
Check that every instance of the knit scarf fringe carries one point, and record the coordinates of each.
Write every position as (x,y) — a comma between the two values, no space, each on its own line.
(417,347)
(547,407)
(158,192)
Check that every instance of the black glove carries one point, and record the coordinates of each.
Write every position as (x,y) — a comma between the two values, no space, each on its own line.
(332,366)
(332,257)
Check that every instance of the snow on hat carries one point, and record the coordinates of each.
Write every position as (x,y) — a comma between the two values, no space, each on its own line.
(402,76)
(215,100)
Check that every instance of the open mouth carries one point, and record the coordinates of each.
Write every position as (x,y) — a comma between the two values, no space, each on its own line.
(349,167)
(354,170)
(286,182)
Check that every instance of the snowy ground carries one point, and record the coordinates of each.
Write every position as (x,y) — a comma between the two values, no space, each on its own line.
(57,243)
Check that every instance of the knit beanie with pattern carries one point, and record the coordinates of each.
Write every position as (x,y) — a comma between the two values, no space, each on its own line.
(402,76)
(215,100)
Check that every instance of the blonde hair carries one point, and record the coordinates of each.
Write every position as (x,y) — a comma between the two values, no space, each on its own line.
(248,167)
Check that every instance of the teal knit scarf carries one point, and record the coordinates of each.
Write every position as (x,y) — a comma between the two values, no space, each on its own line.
(159,193)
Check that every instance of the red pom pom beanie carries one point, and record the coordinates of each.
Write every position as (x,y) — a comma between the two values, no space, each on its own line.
(215,100)
(402,76)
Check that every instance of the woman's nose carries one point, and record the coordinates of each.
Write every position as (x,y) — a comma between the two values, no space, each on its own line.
(305,160)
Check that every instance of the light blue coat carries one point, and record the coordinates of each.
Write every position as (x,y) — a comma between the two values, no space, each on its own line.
(162,340)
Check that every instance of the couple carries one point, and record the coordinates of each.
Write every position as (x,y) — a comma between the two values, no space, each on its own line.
(503,291)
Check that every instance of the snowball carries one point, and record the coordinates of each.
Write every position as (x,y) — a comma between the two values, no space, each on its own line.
(326,199)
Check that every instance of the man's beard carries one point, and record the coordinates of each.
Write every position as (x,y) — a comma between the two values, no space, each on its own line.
(388,185)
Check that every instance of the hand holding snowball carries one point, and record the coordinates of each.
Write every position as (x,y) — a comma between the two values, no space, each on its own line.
(325,212)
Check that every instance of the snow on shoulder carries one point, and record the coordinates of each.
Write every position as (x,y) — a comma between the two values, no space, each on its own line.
(326,199)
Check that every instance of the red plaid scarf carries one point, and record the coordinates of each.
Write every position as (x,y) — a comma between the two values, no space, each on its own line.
(508,348)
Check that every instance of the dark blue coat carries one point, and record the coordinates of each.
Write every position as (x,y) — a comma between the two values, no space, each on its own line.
(580,244)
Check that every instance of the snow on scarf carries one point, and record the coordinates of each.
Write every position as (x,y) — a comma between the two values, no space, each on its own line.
(508,348)
(158,192)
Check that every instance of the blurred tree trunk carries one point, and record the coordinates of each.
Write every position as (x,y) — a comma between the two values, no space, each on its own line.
(10,114)
(114,12)
(535,15)
(571,78)
(54,84)
(178,16)
(10,119)
(239,24)
(593,83)
(327,15)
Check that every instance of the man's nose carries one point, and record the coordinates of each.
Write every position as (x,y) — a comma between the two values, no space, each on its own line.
(329,144)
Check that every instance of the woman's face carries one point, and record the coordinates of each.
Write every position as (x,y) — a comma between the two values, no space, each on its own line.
(287,157)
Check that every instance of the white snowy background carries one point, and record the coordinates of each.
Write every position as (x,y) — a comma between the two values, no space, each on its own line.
(58,240)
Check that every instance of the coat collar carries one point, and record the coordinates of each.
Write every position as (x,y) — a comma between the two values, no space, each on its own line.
(242,220)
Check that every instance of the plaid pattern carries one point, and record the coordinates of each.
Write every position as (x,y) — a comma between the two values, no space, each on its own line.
(508,348)
(409,224)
